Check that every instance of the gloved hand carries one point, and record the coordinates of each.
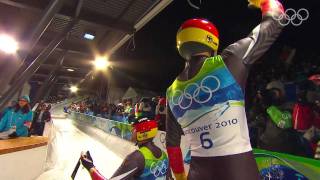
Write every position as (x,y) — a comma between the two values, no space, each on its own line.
(254,3)
(86,160)
(270,7)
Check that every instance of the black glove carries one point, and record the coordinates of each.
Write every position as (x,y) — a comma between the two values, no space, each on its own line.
(86,161)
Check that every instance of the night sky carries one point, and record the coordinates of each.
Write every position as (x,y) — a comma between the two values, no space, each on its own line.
(155,62)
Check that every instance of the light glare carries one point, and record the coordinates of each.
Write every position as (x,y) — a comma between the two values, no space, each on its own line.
(101,63)
(8,44)
(89,36)
(74,89)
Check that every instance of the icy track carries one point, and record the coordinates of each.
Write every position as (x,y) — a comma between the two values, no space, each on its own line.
(68,145)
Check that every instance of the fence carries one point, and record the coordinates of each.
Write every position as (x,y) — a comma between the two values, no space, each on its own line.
(119,129)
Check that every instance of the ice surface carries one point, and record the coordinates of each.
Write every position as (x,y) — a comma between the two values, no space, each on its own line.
(69,143)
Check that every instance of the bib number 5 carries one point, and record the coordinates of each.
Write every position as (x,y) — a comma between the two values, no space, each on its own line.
(206,142)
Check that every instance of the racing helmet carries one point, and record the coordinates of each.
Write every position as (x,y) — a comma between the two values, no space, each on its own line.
(145,129)
(195,36)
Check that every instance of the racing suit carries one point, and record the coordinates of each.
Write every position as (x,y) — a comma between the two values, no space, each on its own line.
(147,163)
(208,107)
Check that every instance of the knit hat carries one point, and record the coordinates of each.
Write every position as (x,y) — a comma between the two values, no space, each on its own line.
(26,97)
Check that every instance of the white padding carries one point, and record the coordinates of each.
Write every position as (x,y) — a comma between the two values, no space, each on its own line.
(23,165)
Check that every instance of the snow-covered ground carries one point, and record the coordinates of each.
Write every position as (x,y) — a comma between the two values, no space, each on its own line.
(68,145)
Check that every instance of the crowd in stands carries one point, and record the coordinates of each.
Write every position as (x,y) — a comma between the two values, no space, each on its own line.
(126,111)
(55,99)
(283,109)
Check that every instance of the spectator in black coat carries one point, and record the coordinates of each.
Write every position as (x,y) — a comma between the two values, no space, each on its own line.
(42,115)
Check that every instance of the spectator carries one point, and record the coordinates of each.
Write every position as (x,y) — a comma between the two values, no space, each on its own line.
(104,110)
(276,83)
(95,109)
(279,135)
(82,107)
(42,115)
(145,108)
(313,133)
(129,112)
(257,117)
(317,154)
(153,104)
(137,111)
(65,109)
(315,79)
(17,121)
(111,110)
(302,113)
(160,117)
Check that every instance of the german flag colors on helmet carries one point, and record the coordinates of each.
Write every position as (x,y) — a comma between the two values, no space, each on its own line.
(196,36)
(145,129)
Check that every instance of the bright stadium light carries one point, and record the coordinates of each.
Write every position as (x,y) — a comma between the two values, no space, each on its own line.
(88,36)
(101,63)
(8,44)
(70,70)
(74,89)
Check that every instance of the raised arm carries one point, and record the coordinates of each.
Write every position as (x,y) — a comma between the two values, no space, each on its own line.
(241,54)
(173,139)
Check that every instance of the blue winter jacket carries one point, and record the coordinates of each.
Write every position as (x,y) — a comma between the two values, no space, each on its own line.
(11,118)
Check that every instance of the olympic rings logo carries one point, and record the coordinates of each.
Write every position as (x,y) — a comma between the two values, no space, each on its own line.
(194,97)
(159,169)
(282,122)
(292,16)
(274,171)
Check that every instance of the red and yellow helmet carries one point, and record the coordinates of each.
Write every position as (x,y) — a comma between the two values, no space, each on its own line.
(196,36)
(145,129)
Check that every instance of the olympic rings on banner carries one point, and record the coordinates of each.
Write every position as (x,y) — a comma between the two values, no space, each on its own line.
(158,169)
(290,15)
(194,97)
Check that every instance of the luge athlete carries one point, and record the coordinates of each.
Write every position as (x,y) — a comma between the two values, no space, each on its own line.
(147,163)
(207,99)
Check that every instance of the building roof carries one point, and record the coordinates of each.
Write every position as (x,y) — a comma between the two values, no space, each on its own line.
(112,22)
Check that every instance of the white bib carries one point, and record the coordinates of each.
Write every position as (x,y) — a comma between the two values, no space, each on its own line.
(214,134)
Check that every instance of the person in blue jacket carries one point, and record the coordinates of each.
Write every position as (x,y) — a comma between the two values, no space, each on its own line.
(12,104)
(17,120)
